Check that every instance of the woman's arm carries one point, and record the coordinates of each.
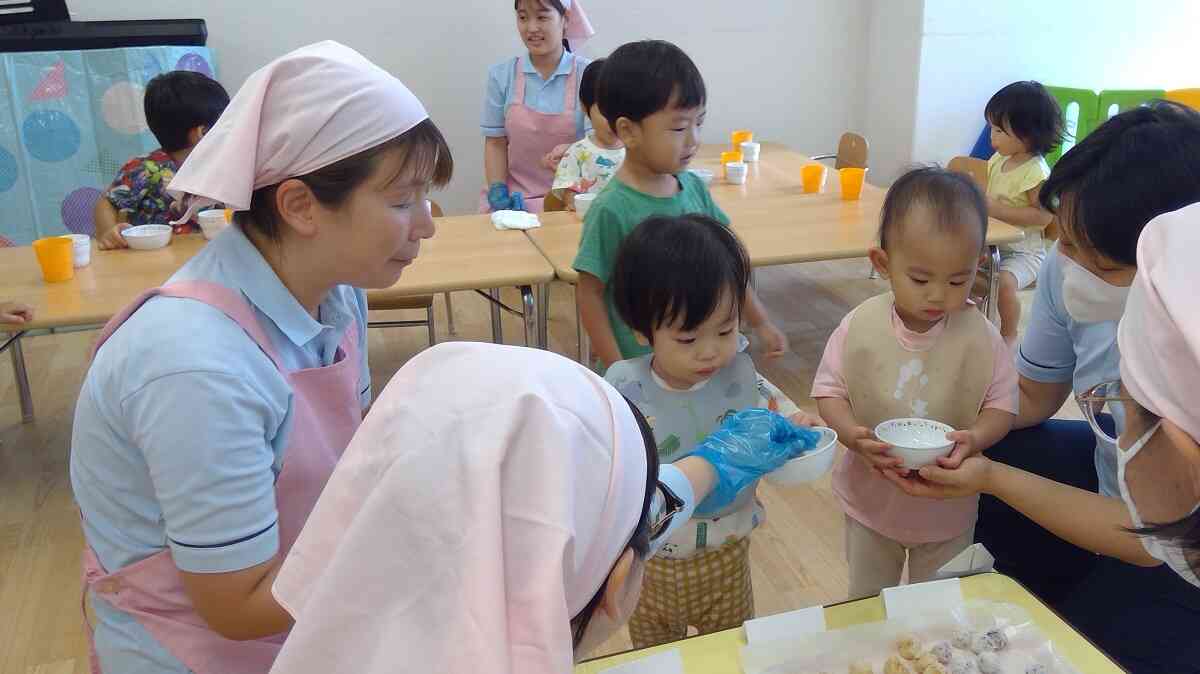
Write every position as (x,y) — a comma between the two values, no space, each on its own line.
(1039,401)
(239,605)
(495,159)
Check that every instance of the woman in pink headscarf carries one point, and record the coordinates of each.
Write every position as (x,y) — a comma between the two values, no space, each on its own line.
(1156,520)
(492,515)
(531,108)
(217,406)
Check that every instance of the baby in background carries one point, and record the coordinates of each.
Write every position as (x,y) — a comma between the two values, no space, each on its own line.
(590,163)
(918,351)
(181,106)
(1026,124)
(681,284)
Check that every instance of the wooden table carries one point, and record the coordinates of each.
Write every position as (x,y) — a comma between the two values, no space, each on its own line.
(466,254)
(777,222)
(719,653)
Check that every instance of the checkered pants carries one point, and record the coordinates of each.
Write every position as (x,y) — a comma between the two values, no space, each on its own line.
(711,592)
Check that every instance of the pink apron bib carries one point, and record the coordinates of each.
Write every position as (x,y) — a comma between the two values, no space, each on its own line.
(531,136)
(326,412)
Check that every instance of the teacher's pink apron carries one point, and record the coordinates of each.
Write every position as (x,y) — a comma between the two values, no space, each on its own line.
(531,136)
(326,412)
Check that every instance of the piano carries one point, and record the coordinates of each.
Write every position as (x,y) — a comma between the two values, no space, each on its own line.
(46,25)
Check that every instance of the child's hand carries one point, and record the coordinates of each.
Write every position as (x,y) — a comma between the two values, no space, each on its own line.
(551,159)
(774,342)
(803,418)
(113,239)
(965,445)
(863,441)
(15,313)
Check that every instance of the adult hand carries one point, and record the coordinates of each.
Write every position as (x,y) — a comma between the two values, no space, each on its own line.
(774,342)
(863,442)
(932,481)
(113,239)
(498,197)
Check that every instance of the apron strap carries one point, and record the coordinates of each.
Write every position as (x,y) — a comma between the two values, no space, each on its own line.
(519,83)
(570,95)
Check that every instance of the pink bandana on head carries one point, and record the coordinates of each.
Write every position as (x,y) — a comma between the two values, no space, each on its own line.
(578,29)
(1159,334)
(303,111)
(479,507)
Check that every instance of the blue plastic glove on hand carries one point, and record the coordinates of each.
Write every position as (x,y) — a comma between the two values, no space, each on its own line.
(498,197)
(747,446)
(518,202)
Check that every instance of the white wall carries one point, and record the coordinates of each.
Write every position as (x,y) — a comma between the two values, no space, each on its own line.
(889,100)
(969,50)
(789,69)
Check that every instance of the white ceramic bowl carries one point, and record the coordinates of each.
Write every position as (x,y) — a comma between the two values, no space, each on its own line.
(810,466)
(147,237)
(583,202)
(212,222)
(703,174)
(917,442)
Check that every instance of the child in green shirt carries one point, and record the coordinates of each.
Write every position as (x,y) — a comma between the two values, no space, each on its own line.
(653,97)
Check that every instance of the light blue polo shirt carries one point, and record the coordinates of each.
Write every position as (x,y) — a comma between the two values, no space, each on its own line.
(181,427)
(1057,349)
(542,95)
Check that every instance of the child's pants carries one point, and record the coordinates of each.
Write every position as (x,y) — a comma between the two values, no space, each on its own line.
(876,561)
(710,591)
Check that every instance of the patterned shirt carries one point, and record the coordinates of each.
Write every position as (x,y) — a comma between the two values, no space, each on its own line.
(140,191)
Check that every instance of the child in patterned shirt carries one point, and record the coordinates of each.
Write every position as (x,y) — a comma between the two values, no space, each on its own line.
(181,106)
(590,163)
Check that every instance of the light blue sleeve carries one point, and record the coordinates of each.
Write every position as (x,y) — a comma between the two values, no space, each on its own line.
(364,378)
(1047,352)
(206,438)
(677,482)
(494,101)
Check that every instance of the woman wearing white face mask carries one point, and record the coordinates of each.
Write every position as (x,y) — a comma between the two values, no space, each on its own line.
(1154,522)
(493,514)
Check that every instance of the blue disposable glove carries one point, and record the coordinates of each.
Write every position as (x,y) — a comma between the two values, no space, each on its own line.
(498,197)
(518,202)
(747,446)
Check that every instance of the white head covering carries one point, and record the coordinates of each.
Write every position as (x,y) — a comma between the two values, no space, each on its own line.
(480,506)
(301,112)
(1159,334)
(578,29)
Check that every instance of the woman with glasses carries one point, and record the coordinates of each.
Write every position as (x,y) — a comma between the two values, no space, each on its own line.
(1139,599)
(493,514)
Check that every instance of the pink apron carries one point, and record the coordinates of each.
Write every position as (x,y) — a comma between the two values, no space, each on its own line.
(531,136)
(326,412)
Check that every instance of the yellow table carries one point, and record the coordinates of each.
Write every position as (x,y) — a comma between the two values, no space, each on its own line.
(467,253)
(720,653)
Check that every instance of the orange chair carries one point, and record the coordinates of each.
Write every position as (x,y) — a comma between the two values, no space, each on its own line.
(1189,97)
(973,167)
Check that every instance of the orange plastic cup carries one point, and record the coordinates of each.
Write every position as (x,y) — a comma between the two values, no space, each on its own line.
(741,136)
(55,255)
(728,157)
(852,182)
(812,175)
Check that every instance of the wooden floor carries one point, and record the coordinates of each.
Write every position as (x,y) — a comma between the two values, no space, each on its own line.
(797,555)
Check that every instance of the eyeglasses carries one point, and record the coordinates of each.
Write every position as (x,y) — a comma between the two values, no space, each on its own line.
(1100,399)
(663,510)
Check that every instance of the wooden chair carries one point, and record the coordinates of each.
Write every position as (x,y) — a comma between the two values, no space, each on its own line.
(424,302)
(853,151)
(976,169)
(552,203)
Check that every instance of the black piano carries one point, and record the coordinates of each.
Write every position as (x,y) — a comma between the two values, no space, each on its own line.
(45,25)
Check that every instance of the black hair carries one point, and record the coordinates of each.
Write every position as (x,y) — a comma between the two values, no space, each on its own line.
(557,6)
(677,268)
(952,199)
(179,101)
(641,78)
(423,147)
(587,84)
(1030,112)
(640,540)
(1183,533)
(1134,167)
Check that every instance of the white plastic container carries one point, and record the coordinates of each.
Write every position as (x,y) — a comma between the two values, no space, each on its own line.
(735,172)
(810,466)
(750,151)
(703,174)
(583,202)
(148,237)
(81,250)
(917,442)
(212,222)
